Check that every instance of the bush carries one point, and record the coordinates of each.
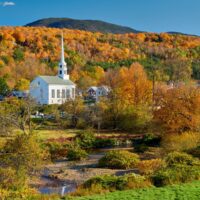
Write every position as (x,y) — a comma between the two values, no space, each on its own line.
(119,160)
(148,167)
(98,185)
(141,148)
(24,152)
(85,139)
(101,142)
(75,153)
(195,152)
(180,168)
(177,158)
(57,150)
(174,175)
(183,142)
(149,140)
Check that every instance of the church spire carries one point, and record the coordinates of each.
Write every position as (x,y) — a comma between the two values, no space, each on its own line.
(62,71)
(62,61)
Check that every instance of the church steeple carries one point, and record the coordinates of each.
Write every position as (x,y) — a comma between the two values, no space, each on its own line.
(62,70)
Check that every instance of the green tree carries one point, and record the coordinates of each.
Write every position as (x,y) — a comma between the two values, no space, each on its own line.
(18,54)
(4,89)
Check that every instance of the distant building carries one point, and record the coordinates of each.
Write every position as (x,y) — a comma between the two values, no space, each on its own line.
(54,89)
(20,94)
(94,93)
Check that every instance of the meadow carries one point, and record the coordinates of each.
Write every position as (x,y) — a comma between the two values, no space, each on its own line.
(175,192)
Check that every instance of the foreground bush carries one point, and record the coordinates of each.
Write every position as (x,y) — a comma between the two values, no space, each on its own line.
(195,152)
(24,152)
(119,160)
(99,185)
(180,168)
(148,167)
(75,153)
(175,175)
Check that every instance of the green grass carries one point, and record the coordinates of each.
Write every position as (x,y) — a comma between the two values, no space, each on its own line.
(54,134)
(189,191)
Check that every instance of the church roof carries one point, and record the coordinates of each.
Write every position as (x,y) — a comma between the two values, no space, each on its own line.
(55,80)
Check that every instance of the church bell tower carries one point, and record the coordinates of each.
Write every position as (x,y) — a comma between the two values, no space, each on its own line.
(62,69)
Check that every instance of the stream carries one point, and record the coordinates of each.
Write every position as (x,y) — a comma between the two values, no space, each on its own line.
(71,174)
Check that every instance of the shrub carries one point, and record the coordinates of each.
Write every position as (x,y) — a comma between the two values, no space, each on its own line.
(148,167)
(76,153)
(177,158)
(180,168)
(181,142)
(104,142)
(195,152)
(174,175)
(119,159)
(141,148)
(24,152)
(98,185)
(85,139)
(57,150)
(149,140)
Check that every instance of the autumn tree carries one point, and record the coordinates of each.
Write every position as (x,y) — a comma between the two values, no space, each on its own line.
(178,110)
(178,69)
(130,92)
(22,84)
(74,110)
(16,114)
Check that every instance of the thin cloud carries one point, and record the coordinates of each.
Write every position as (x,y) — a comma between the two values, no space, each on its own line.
(7,3)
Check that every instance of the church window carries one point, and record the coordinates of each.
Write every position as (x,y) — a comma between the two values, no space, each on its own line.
(60,72)
(63,93)
(73,93)
(58,93)
(52,93)
(68,94)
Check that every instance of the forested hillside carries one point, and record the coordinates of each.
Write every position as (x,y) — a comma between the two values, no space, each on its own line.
(86,25)
(29,51)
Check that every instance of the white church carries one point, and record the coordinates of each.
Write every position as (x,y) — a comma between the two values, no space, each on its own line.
(53,89)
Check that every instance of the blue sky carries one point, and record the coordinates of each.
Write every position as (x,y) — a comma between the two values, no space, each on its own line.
(146,15)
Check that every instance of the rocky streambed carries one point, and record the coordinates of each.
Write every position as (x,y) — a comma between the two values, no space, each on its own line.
(64,176)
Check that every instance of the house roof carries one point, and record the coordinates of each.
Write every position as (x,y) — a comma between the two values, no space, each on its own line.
(99,88)
(55,80)
(93,88)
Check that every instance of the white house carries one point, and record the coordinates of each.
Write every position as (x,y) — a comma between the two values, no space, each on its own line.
(54,89)
(95,93)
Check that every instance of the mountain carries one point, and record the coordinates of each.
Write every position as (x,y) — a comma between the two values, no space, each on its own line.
(87,25)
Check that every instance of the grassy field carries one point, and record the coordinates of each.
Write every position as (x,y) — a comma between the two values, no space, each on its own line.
(54,134)
(190,191)
(68,133)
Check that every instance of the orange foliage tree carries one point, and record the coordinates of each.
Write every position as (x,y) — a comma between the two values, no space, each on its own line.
(178,110)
